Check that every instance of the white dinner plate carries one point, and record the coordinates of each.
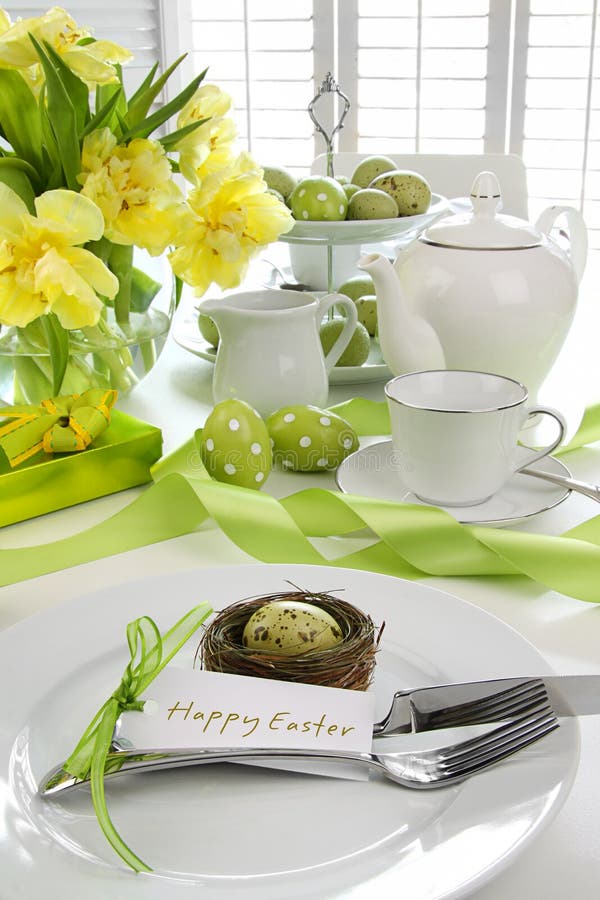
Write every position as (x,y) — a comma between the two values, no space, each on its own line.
(363,231)
(187,335)
(371,472)
(238,833)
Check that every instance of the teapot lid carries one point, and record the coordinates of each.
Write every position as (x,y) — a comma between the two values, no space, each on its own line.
(483,228)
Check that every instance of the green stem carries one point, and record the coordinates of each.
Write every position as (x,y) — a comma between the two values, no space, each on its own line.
(118,362)
(33,374)
(100,366)
(80,376)
(120,263)
(148,354)
(31,383)
(100,248)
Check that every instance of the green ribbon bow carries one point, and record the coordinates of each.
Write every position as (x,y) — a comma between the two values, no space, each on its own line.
(58,425)
(150,652)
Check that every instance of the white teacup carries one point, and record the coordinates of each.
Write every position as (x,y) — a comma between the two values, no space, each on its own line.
(455,433)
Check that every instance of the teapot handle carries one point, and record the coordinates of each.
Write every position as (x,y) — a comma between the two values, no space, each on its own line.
(344,338)
(577,233)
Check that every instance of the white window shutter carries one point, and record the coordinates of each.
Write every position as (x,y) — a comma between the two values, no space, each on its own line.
(421,70)
(264,53)
(556,107)
(135,24)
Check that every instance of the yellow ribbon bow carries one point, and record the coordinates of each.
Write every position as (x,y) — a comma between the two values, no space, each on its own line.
(57,425)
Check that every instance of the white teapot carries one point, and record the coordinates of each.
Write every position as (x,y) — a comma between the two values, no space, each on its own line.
(480,291)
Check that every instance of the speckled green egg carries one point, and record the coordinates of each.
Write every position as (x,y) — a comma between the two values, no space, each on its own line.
(366,308)
(349,190)
(291,627)
(235,446)
(208,329)
(409,189)
(369,203)
(280,180)
(370,168)
(309,439)
(357,351)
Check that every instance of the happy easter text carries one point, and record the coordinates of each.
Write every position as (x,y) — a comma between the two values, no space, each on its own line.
(243,725)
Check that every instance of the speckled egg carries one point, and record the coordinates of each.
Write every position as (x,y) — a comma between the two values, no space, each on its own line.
(208,330)
(366,307)
(369,203)
(349,190)
(291,627)
(309,439)
(357,351)
(409,189)
(235,445)
(370,168)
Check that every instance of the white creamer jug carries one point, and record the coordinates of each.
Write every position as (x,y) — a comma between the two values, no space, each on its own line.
(270,353)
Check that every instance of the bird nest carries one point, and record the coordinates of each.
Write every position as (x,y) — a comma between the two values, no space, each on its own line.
(350,664)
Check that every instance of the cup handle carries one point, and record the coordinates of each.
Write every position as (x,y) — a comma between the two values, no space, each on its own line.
(347,331)
(545,451)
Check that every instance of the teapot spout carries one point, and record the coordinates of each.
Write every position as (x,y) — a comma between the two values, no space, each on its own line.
(408,342)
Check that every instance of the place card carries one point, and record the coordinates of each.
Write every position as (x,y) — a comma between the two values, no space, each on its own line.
(189,708)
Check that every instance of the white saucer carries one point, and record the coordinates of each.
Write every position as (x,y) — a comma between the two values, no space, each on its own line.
(369,473)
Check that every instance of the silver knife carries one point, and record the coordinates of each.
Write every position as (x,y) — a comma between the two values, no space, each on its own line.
(412,711)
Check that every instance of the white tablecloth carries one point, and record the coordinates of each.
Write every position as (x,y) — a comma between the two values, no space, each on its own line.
(565,860)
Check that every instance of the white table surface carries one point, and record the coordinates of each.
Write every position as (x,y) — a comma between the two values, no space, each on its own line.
(564,861)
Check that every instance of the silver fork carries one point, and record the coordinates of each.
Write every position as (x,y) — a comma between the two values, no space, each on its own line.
(467,703)
(412,769)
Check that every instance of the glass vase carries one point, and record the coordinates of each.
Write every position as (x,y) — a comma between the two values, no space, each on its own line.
(109,354)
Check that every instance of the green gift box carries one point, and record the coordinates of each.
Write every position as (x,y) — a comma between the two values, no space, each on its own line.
(119,458)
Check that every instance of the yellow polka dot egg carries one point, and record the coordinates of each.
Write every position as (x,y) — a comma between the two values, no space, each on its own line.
(235,446)
(309,439)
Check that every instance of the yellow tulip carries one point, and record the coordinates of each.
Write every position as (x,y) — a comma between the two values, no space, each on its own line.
(134,188)
(5,22)
(230,218)
(208,148)
(93,62)
(209,100)
(42,268)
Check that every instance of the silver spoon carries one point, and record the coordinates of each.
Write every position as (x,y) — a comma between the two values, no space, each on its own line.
(581,487)
(283,283)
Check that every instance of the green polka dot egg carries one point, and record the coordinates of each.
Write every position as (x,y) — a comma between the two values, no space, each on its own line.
(318,198)
(309,439)
(235,446)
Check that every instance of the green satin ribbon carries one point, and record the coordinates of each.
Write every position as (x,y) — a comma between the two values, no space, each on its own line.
(410,541)
(150,652)
(367,417)
(58,425)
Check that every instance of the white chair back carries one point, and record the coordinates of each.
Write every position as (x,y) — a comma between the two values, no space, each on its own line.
(451,174)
